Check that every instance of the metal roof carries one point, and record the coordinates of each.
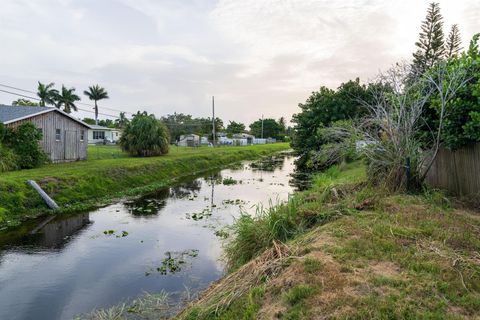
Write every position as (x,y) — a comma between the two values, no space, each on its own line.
(9,114)
(97,127)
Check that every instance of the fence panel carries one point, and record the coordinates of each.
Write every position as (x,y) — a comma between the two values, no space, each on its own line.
(457,171)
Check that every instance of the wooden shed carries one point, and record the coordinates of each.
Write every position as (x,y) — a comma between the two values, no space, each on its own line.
(64,137)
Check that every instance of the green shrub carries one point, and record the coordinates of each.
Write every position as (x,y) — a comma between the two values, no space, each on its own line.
(23,140)
(145,136)
(8,159)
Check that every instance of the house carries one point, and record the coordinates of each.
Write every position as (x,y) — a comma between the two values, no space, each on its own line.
(64,138)
(98,134)
(241,136)
(189,140)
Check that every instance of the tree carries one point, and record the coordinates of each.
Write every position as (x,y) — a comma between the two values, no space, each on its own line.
(122,121)
(431,43)
(24,103)
(67,99)
(271,129)
(283,125)
(145,136)
(453,43)
(321,109)
(47,94)
(89,120)
(235,127)
(179,124)
(96,93)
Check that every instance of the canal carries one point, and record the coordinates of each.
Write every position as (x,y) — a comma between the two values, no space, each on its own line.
(169,241)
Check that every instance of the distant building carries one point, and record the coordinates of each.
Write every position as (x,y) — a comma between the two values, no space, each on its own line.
(244,136)
(64,138)
(189,140)
(98,134)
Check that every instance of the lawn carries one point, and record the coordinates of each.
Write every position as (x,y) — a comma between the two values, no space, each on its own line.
(108,173)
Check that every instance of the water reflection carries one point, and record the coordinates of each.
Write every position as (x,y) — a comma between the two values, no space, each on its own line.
(270,163)
(50,233)
(149,205)
(186,189)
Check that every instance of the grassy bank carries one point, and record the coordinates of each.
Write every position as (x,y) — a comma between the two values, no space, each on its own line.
(343,250)
(110,173)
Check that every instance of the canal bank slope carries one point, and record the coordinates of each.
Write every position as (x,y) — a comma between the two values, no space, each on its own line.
(83,185)
(344,250)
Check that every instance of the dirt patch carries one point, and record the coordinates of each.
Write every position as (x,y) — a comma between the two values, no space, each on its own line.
(386,269)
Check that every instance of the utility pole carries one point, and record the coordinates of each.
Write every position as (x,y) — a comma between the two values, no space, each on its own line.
(213,119)
(262,126)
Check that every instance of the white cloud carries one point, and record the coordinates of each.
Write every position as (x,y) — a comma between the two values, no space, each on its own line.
(257,56)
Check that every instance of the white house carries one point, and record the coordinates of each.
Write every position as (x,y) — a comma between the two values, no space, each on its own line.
(189,140)
(99,134)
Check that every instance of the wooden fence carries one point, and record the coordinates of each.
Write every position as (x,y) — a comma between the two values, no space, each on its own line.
(457,171)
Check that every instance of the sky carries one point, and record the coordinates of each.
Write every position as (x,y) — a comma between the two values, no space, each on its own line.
(164,56)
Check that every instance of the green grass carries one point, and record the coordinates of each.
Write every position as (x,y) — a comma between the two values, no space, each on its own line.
(312,265)
(84,184)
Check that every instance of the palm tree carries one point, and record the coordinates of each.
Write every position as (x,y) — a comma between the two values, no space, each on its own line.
(96,93)
(122,121)
(67,99)
(46,93)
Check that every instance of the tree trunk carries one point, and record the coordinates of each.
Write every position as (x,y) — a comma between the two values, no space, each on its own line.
(96,113)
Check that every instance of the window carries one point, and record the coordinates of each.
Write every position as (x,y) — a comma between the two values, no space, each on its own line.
(99,135)
(82,135)
(58,134)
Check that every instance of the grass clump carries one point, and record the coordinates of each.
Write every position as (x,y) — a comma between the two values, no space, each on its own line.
(296,299)
(311,265)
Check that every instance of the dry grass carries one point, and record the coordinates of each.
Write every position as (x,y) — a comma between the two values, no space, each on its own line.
(220,295)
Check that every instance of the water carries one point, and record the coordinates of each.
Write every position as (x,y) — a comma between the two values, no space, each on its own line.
(169,240)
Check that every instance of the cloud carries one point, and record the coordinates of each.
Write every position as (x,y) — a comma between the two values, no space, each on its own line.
(256,56)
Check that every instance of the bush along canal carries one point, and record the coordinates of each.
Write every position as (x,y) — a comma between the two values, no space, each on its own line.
(136,258)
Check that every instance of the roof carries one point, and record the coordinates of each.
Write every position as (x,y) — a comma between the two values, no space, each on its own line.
(10,114)
(97,127)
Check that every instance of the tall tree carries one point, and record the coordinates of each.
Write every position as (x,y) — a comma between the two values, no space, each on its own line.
(271,129)
(453,43)
(96,93)
(235,127)
(431,41)
(122,121)
(283,124)
(67,99)
(46,93)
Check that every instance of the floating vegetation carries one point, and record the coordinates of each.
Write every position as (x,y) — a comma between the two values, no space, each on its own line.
(173,262)
(233,202)
(145,207)
(113,233)
(269,163)
(229,181)
(200,215)
(221,234)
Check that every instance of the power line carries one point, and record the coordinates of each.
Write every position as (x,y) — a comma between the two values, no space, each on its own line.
(82,103)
